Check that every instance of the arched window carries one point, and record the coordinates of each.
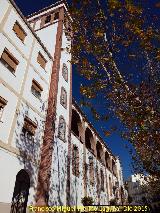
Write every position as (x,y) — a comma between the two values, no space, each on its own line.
(75,161)
(63,98)
(62,128)
(107,159)
(99,150)
(65,72)
(21,191)
(114,167)
(88,138)
(76,124)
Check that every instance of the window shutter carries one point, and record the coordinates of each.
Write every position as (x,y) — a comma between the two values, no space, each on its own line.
(19,31)
(3,102)
(29,125)
(8,59)
(37,86)
(41,60)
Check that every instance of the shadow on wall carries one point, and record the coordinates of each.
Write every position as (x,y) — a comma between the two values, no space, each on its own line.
(27,140)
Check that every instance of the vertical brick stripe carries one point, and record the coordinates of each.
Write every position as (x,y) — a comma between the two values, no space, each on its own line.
(47,146)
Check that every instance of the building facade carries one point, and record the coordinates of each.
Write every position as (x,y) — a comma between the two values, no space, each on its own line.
(49,152)
(136,190)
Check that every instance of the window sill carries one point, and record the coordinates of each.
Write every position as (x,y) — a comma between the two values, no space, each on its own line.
(7,67)
(37,97)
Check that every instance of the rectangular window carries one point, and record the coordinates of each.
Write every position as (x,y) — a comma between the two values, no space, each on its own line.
(9,61)
(29,126)
(56,16)
(36,89)
(48,19)
(21,34)
(3,103)
(41,60)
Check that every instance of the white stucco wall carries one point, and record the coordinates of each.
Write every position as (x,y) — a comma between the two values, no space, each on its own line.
(8,112)
(16,89)
(8,30)
(50,40)
(77,183)
(10,165)
(59,156)
(4,6)
(13,80)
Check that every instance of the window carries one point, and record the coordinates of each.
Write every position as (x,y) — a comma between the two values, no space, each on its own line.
(41,60)
(48,19)
(65,72)
(102,181)
(91,170)
(63,98)
(75,161)
(36,89)
(9,61)
(56,16)
(29,126)
(62,129)
(21,34)
(3,103)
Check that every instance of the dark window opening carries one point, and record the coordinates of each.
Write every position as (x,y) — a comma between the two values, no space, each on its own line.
(107,159)
(99,150)
(75,123)
(56,16)
(21,192)
(48,19)
(88,138)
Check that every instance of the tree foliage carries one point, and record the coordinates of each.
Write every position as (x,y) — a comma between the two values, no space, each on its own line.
(115,47)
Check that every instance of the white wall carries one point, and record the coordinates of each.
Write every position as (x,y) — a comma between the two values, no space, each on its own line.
(50,40)
(8,29)
(4,6)
(21,103)
(10,165)
(8,112)
(14,80)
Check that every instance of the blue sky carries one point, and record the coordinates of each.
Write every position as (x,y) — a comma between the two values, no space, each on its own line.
(114,142)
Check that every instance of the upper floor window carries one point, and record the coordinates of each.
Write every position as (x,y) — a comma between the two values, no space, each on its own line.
(65,72)
(63,98)
(75,161)
(3,103)
(21,34)
(41,60)
(62,129)
(36,89)
(48,19)
(9,60)
(56,16)
(29,127)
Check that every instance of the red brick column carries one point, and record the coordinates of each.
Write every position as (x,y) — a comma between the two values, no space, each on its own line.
(47,146)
